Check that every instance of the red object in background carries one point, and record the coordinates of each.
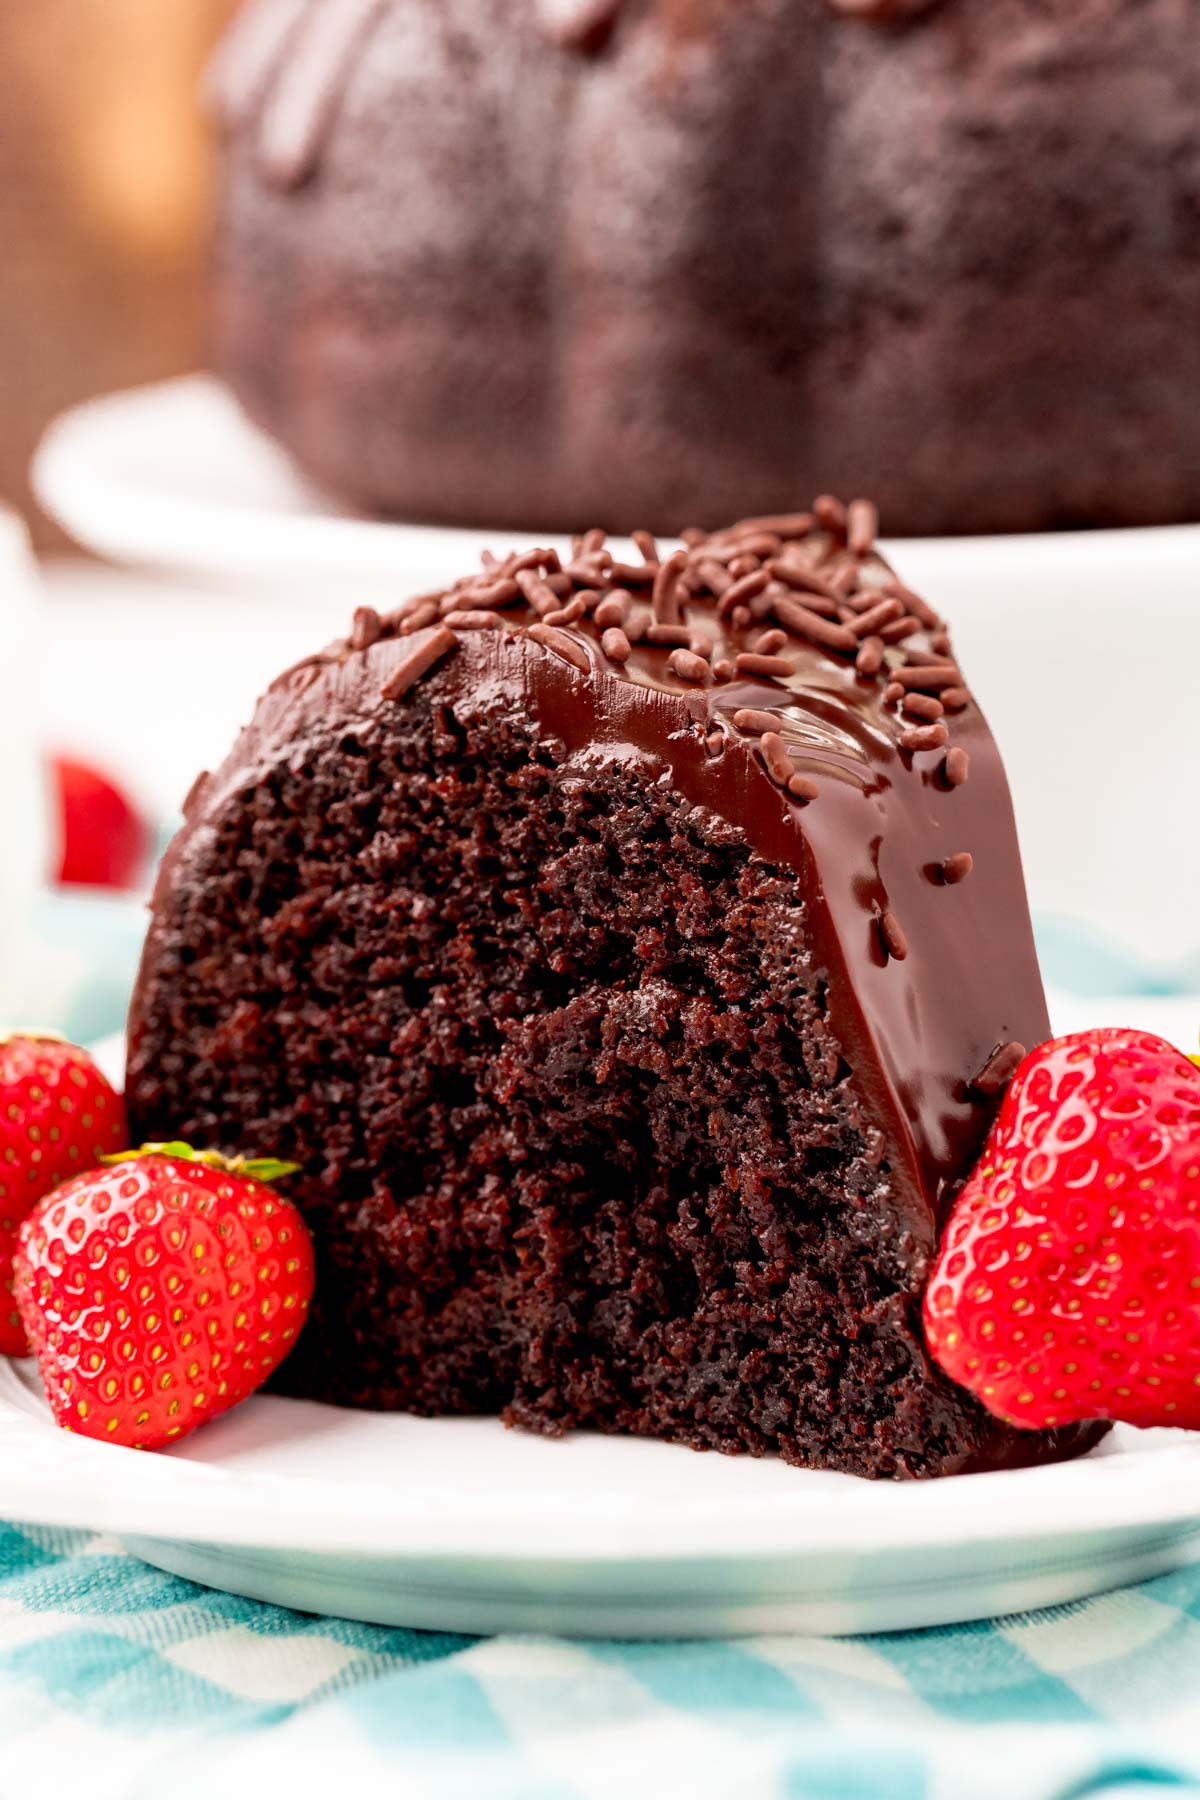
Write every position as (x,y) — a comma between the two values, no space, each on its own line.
(105,842)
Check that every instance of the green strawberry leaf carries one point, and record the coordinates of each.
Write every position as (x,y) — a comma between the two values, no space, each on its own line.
(260,1168)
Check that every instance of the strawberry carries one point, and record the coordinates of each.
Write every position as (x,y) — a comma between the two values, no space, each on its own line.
(1068,1283)
(58,1116)
(104,842)
(161,1290)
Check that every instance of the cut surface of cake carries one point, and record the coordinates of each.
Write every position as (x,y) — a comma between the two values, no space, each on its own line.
(630,947)
(548,263)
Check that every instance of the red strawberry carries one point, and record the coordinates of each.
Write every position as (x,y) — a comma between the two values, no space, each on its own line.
(104,840)
(58,1116)
(1068,1283)
(160,1291)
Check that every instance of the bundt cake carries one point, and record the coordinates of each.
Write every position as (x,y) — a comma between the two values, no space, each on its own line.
(630,948)
(540,263)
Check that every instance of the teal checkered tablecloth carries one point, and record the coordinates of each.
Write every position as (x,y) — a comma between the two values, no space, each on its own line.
(118,1682)
(121,1683)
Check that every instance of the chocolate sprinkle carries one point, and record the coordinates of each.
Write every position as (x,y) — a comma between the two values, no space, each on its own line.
(425,614)
(748,718)
(635,574)
(894,941)
(613,609)
(714,575)
(799,576)
(869,660)
(616,645)
(438,644)
(776,758)
(570,613)
(562,644)
(924,737)
(999,1069)
(473,621)
(862,526)
(913,603)
(922,706)
(666,582)
(956,868)
(830,514)
(497,593)
(540,595)
(780,525)
(810,625)
(754,546)
(748,663)
(688,666)
(367,628)
(742,590)
(546,560)
(882,613)
(956,767)
(407,608)
(899,629)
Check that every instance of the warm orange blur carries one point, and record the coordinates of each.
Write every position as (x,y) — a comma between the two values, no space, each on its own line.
(103,204)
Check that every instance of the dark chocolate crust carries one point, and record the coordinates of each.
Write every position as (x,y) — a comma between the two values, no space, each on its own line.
(615,998)
(673,261)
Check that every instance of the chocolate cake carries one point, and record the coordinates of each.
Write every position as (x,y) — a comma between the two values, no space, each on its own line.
(630,947)
(540,263)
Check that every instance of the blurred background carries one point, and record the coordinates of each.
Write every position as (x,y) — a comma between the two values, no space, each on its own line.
(104,192)
(105,188)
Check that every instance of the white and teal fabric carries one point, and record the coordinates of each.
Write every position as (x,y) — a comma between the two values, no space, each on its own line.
(121,1683)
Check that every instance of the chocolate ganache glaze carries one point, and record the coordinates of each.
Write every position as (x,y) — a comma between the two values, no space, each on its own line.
(783,686)
(781,677)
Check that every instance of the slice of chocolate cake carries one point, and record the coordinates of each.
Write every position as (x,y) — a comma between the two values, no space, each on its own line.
(630,952)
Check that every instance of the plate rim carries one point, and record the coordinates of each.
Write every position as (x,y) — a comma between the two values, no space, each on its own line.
(57,1478)
(75,484)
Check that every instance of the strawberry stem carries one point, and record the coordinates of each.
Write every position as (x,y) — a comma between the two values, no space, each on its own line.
(257,1168)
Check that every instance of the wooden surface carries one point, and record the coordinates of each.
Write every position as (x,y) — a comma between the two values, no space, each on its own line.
(104,172)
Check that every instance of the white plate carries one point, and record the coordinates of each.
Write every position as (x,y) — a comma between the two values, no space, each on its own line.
(460,1525)
(174,476)
(457,1524)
